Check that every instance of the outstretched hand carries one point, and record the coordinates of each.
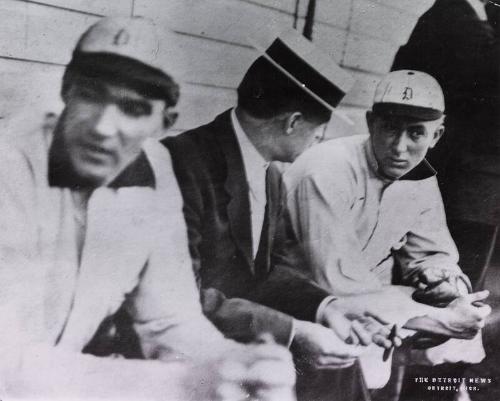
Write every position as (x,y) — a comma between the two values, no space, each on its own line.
(466,315)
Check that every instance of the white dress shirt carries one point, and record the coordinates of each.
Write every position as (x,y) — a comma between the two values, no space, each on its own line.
(255,170)
(478,7)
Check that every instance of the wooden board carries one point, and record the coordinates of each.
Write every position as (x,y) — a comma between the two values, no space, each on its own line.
(36,32)
(368,54)
(113,7)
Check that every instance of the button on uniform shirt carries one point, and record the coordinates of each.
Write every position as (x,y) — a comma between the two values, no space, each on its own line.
(348,228)
(255,170)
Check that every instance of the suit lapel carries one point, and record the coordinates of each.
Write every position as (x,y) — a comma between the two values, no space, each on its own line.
(236,186)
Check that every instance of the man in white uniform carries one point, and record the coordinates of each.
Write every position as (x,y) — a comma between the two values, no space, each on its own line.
(80,236)
(364,212)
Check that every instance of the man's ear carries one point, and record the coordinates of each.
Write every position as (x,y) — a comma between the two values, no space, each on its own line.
(437,135)
(291,121)
(169,118)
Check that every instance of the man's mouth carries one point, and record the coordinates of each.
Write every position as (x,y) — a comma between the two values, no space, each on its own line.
(96,152)
(398,162)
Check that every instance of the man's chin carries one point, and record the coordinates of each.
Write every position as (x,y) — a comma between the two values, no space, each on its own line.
(95,176)
(394,173)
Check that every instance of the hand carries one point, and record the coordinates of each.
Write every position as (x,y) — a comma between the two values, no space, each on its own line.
(382,334)
(438,287)
(466,315)
(322,348)
(246,372)
(362,328)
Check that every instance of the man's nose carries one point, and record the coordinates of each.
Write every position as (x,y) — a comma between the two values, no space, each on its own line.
(107,124)
(400,143)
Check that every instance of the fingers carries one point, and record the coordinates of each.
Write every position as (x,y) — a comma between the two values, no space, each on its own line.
(362,334)
(338,322)
(483,312)
(256,368)
(377,317)
(397,341)
(382,341)
(332,362)
(477,296)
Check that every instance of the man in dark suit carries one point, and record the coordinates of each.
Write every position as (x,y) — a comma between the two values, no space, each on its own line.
(284,102)
(456,41)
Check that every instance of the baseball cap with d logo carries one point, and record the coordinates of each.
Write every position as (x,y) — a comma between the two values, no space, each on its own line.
(127,51)
(409,93)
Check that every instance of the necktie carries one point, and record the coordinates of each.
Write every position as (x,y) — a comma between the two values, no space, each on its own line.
(263,256)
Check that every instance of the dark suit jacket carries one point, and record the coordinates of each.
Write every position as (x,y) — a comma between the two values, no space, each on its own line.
(210,171)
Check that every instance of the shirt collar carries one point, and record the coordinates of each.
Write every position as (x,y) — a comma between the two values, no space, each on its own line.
(62,174)
(420,172)
(252,160)
(479,8)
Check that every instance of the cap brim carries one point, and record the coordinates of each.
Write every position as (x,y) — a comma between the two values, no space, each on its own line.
(303,86)
(404,110)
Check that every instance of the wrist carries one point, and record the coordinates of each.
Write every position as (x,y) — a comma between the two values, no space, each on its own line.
(324,306)
(300,328)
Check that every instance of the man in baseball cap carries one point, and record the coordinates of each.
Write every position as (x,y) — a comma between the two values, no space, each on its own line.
(364,212)
(82,236)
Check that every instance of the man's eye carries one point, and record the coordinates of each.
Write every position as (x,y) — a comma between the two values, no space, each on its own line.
(89,94)
(416,132)
(134,108)
(392,128)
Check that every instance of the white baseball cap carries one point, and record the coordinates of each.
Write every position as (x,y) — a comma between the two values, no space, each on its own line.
(409,93)
(127,51)
(135,38)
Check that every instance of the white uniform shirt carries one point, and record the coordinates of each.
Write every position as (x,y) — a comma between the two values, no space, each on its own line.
(134,253)
(255,171)
(353,227)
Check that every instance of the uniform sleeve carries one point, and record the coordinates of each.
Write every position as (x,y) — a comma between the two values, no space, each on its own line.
(320,239)
(21,298)
(429,243)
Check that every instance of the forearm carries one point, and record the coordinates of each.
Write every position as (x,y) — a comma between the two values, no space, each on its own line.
(244,320)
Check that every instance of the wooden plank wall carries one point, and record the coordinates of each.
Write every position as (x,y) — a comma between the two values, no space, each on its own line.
(37,37)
